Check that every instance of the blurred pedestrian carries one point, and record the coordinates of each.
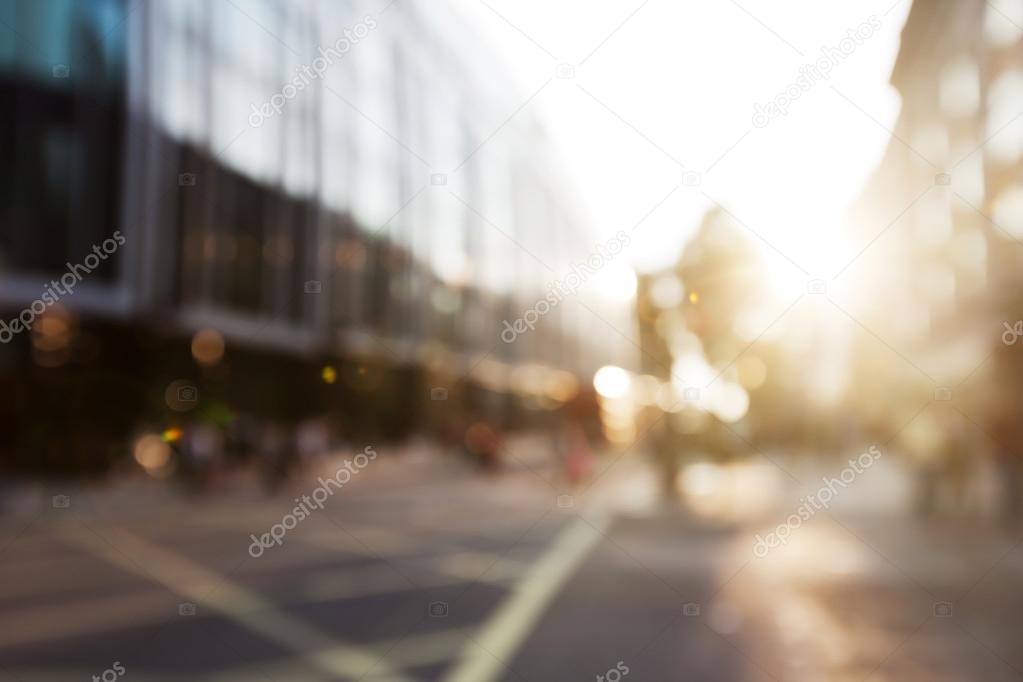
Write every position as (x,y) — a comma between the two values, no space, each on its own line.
(1009,460)
(575,453)
(666,452)
(484,444)
(312,440)
(923,441)
(202,445)
(242,437)
(275,454)
(958,465)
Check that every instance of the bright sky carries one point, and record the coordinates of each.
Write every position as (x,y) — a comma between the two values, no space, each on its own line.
(675,85)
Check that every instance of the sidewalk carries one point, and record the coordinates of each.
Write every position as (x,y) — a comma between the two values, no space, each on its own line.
(414,467)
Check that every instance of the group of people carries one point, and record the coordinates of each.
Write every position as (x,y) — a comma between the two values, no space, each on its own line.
(207,449)
(967,468)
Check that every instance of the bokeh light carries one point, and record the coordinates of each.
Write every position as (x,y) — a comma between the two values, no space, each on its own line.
(208,347)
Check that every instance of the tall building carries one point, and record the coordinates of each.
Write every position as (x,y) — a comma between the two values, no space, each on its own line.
(940,220)
(317,182)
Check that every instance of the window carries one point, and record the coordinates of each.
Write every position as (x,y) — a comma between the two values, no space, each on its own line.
(1005,101)
(960,87)
(62,78)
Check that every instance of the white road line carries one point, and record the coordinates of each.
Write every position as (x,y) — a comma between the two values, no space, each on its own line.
(485,658)
(246,608)
(374,580)
(77,617)
(482,567)
(364,540)
(47,622)
(426,648)
(457,564)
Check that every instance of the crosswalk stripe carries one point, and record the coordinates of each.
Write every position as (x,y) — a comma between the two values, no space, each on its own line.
(493,648)
(246,608)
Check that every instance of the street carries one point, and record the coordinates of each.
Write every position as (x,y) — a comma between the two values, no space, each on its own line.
(511,341)
(422,568)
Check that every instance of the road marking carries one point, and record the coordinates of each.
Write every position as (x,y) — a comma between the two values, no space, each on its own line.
(246,608)
(487,654)
(482,567)
(425,649)
(77,617)
(365,540)
(373,580)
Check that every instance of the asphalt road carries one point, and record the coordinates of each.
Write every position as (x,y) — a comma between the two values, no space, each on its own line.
(421,568)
